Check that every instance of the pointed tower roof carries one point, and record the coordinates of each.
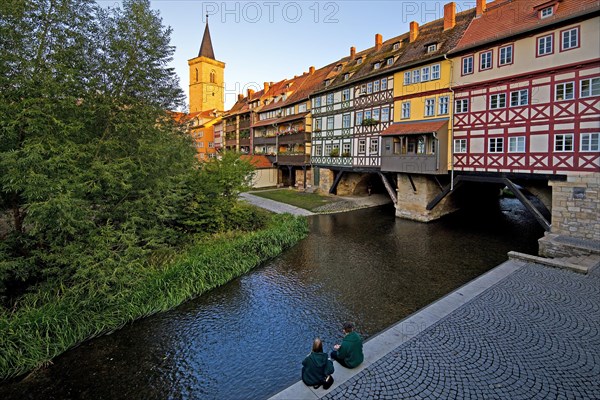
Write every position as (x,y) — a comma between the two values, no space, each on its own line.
(206,49)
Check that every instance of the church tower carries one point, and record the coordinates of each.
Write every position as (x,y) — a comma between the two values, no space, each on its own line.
(206,78)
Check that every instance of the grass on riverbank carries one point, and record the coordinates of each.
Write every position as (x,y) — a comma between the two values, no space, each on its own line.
(307,201)
(49,323)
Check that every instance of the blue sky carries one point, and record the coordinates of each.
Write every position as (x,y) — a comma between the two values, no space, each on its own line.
(271,40)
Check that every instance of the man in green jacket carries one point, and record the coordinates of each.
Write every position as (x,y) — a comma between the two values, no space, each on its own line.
(350,353)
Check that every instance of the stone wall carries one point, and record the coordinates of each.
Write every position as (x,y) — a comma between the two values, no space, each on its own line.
(575,218)
(412,204)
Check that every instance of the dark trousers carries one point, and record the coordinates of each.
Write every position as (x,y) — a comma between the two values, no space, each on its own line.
(334,356)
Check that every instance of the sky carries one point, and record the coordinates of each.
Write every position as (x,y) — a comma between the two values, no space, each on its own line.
(267,41)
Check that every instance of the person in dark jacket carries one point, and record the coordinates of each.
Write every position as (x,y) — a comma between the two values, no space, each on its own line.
(350,353)
(317,367)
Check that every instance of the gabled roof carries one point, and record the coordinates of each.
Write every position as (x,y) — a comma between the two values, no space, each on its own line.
(206,48)
(258,161)
(506,18)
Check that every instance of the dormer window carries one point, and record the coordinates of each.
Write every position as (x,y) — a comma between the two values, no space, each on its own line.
(377,65)
(346,76)
(431,47)
(327,82)
(359,61)
(547,12)
(389,61)
(338,68)
(396,46)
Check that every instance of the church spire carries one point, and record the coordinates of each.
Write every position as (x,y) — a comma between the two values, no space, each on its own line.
(206,49)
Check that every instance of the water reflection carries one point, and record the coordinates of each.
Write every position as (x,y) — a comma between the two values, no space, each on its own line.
(246,339)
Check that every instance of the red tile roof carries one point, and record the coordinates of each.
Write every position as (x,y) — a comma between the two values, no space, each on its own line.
(258,162)
(414,128)
(506,18)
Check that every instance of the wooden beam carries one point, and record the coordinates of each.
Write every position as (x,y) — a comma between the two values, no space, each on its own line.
(537,215)
(389,188)
(436,200)
(338,178)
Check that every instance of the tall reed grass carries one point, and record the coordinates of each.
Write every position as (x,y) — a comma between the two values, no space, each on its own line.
(50,322)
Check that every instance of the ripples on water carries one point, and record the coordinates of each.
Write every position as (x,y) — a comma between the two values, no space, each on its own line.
(246,340)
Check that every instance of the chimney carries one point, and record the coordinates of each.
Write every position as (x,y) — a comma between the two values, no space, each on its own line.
(414,31)
(266,87)
(240,96)
(311,70)
(250,93)
(378,41)
(481,7)
(449,16)
(352,52)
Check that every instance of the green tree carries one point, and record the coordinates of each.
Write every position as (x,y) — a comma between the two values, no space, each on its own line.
(94,174)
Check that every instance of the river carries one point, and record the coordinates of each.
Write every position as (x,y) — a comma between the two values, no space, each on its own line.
(247,339)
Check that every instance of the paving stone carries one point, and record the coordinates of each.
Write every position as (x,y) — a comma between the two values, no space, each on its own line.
(533,335)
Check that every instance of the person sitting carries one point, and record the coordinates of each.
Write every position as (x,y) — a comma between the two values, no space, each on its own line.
(317,367)
(350,353)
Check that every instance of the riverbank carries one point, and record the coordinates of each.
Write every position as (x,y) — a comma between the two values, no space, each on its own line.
(522,330)
(49,324)
(341,203)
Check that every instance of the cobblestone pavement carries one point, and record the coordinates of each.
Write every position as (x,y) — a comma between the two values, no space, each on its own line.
(534,335)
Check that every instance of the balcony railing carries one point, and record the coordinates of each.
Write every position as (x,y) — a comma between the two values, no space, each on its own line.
(334,161)
(245,141)
(415,163)
(298,137)
(264,140)
(293,159)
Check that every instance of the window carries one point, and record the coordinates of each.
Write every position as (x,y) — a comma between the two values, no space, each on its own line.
(368,114)
(396,46)
(407,78)
(377,65)
(431,48)
(374,148)
(211,145)
(329,123)
(346,149)
(435,72)
(376,114)
(389,61)
(359,117)
(327,82)
(564,91)
(506,55)
(461,106)
(330,98)
(362,146)
(416,76)
(345,94)
(317,101)
(385,114)
(383,83)
(589,142)
(370,87)
(460,145)
(328,149)
(425,74)
(497,101)
(213,75)
(406,110)
(443,105)
(429,107)
(346,121)
(318,123)
(302,107)
(363,89)
(570,39)
(496,145)
(590,87)
(346,76)
(376,86)
(516,144)
(201,145)
(519,98)
(318,150)
(546,12)
(359,61)
(467,65)
(545,45)
(485,60)
(563,142)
